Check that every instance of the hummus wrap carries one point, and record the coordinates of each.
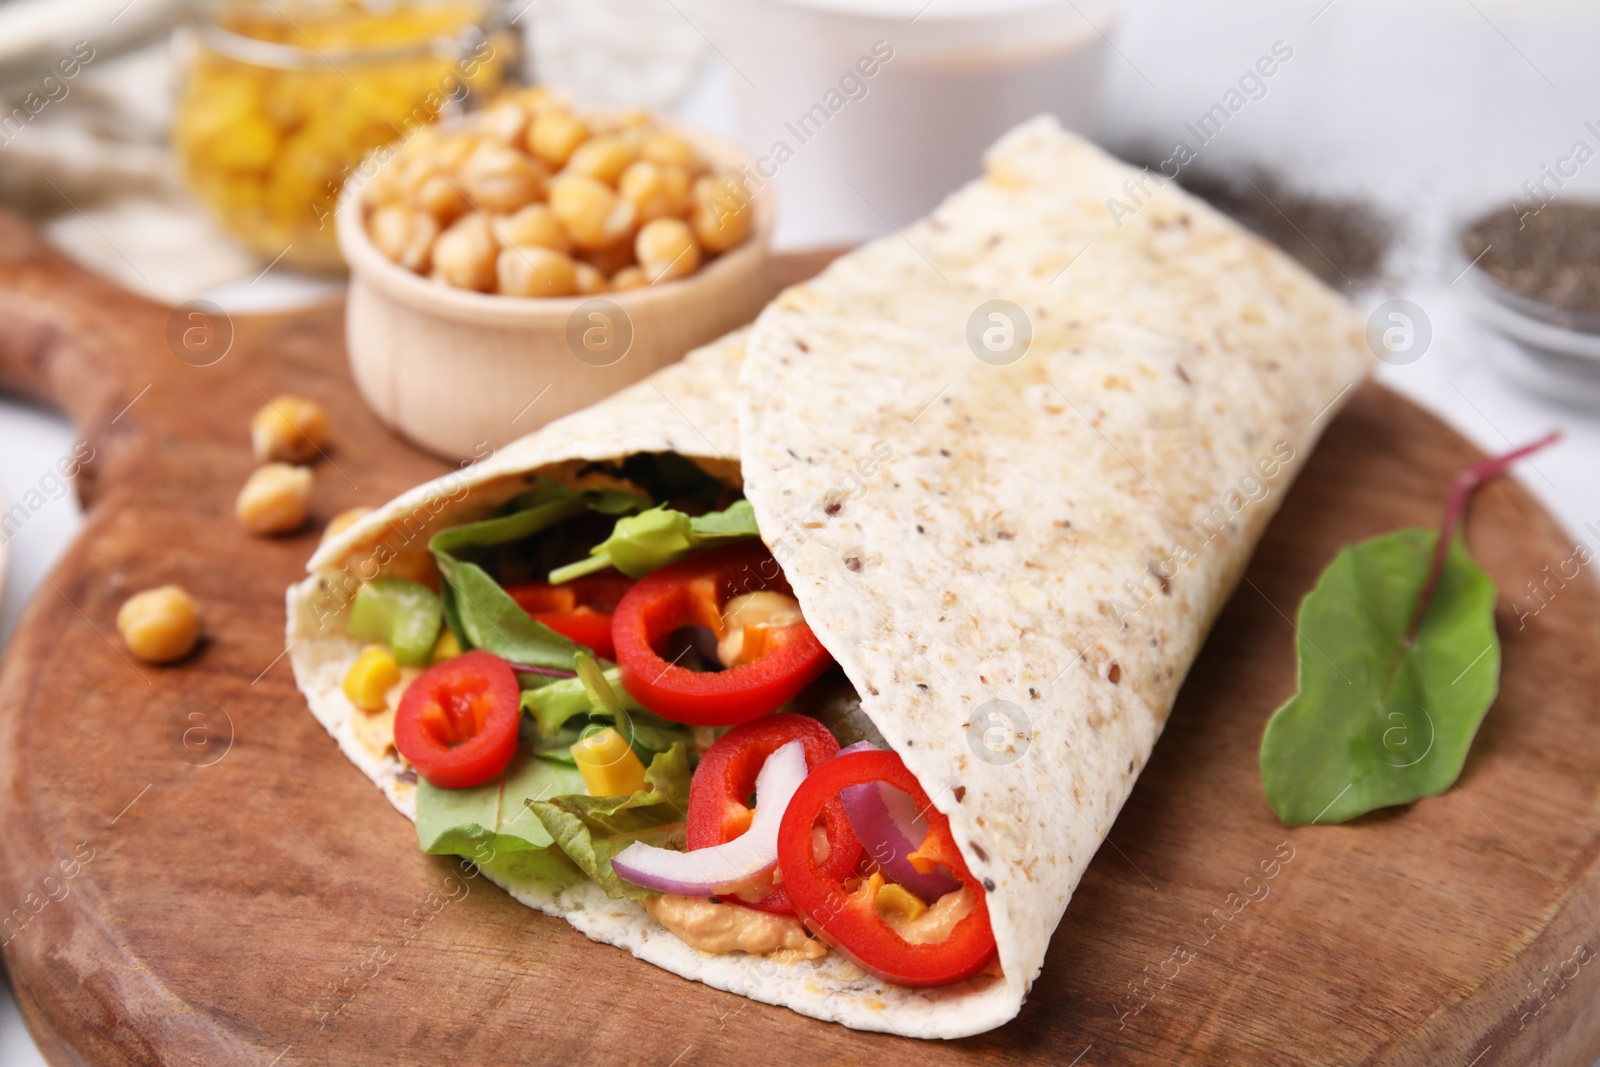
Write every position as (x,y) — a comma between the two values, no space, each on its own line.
(1012,462)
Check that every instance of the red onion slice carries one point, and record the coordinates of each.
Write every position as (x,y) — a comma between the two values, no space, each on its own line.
(889,828)
(724,869)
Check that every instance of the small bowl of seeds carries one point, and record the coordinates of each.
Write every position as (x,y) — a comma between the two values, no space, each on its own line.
(1532,275)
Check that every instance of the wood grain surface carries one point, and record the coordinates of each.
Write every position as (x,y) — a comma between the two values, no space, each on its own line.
(244,895)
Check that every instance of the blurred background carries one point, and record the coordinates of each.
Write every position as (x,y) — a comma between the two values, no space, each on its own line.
(197,151)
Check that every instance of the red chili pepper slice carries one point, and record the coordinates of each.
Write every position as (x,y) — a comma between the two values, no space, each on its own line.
(580,609)
(691,592)
(457,723)
(849,921)
(727,776)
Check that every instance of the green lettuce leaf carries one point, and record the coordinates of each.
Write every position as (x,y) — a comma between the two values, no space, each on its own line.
(491,821)
(1378,721)
(592,830)
(561,709)
(652,539)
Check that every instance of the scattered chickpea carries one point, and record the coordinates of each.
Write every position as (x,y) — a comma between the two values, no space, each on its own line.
(464,255)
(535,226)
(343,521)
(666,250)
(534,271)
(159,625)
(275,499)
(288,428)
(555,135)
(720,214)
(593,214)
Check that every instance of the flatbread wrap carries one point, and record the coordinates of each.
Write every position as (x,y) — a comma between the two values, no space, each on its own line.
(1000,471)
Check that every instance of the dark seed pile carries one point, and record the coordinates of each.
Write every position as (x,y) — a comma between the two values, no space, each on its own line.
(1552,257)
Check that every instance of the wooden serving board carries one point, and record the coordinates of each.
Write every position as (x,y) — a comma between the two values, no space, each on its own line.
(271,908)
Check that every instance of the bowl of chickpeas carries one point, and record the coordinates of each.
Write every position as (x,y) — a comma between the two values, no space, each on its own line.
(531,258)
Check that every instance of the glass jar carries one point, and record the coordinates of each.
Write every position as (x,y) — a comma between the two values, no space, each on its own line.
(282,99)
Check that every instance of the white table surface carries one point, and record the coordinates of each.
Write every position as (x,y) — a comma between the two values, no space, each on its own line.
(1430,109)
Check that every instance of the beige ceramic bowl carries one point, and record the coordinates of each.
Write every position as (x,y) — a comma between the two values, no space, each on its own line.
(455,371)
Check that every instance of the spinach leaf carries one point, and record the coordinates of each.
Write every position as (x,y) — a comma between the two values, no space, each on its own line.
(592,830)
(477,609)
(652,539)
(491,620)
(1383,717)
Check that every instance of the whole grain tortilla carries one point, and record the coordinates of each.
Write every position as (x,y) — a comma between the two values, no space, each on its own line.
(1015,563)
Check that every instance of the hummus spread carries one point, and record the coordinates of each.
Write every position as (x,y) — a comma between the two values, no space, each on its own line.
(721,928)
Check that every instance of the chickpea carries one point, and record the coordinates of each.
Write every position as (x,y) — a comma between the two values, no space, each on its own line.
(589,278)
(645,185)
(289,428)
(535,271)
(463,256)
(592,213)
(403,235)
(629,278)
(610,259)
(440,197)
(535,226)
(658,146)
(343,521)
(497,178)
(604,158)
(159,625)
(505,120)
(554,135)
(275,499)
(666,250)
(721,213)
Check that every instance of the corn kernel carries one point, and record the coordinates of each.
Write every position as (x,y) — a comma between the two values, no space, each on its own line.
(159,625)
(535,272)
(609,766)
(275,499)
(447,647)
(370,678)
(666,250)
(897,905)
(289,428)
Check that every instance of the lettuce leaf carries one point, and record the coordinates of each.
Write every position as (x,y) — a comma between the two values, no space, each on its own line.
(592,830)
(491,821)
(652,539)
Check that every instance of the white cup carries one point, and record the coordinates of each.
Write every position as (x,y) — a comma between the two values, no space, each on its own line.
(866,113)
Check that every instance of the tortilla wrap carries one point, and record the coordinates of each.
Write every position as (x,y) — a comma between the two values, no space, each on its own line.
(1056,533)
